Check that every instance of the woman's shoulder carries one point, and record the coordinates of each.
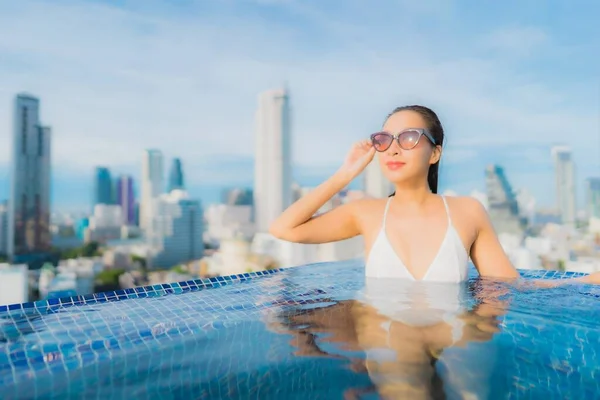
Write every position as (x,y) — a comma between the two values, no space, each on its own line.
(368,212)
(367,207)
(367,203)
(466,208)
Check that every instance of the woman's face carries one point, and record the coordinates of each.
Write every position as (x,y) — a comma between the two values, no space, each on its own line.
(399,165)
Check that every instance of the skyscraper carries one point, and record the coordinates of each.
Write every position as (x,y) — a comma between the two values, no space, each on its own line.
(237,197)
(176,176)
(503,207)
(152,184)
(565,183)
(29,238)
(177,229)
(4,227)
(126,199)
(273,158)
(592,186)
(103,187)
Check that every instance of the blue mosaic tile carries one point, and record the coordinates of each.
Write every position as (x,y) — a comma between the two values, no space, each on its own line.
(289,334)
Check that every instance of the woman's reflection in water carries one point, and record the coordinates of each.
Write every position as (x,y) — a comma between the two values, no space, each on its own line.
(414,336)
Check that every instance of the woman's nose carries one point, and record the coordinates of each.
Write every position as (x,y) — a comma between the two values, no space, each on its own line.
(394,149)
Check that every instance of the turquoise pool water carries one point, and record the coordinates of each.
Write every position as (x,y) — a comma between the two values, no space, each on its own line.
(319,332)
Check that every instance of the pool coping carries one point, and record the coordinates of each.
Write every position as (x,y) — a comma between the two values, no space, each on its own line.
(163,289)
(156,290)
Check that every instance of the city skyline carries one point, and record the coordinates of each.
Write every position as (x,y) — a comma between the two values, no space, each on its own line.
(504,97)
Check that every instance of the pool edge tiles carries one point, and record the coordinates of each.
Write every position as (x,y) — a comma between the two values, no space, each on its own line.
(157,290)
(164,289)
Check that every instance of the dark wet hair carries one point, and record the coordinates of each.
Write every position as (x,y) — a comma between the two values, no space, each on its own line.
(434,126)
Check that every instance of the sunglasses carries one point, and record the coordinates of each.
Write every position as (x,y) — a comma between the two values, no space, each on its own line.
(407,139)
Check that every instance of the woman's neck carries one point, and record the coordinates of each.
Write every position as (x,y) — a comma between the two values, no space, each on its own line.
(411,194)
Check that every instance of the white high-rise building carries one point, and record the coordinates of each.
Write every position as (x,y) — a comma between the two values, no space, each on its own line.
(151,185)
(375,183)
(565,183)
(177,228)
(273,158)
(14,284)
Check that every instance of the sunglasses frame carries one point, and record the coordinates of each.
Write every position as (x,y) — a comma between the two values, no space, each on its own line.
(422,132)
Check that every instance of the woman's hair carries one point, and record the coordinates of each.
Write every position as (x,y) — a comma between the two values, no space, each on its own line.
(434,126)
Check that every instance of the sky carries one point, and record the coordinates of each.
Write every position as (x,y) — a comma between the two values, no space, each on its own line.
(508,80)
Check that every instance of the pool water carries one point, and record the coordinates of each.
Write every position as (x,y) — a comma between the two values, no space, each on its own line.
(311,332)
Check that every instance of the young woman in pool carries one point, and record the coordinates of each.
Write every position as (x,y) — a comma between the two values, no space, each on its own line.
(415,233)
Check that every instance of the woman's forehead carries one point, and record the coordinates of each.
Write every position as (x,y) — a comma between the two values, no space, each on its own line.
(403,120)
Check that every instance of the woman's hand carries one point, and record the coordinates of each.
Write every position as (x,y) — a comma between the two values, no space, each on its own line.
(359,156)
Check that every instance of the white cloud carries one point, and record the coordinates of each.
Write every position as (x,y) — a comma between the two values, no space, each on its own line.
(113,82)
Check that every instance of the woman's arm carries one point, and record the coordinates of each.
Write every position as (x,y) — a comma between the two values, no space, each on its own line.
(298,223)
(491,260)
(487,252)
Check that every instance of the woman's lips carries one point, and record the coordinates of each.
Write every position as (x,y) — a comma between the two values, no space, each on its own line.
(394,165)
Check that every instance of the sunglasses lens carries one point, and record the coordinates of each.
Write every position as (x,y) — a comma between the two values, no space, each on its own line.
(381,141)
(409,139)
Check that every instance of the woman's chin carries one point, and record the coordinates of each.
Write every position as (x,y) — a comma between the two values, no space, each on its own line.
(396,177)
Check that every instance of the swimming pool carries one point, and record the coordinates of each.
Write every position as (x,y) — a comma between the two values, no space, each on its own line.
(301,333)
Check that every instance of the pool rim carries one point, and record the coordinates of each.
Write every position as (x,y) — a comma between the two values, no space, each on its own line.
(192,285)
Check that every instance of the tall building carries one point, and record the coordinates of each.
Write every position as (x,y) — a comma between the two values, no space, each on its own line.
(177,230)
(527,205)
(273,157)
(126,199)
(592,186)
(503,207)
(14,284)
(176,176)
(375,183)
(237,197)
(152,184)
(29,239)
(565,183)
(4,228)
(103,186)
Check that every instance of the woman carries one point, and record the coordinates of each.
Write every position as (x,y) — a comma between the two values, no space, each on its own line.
(420,243)
(415,234)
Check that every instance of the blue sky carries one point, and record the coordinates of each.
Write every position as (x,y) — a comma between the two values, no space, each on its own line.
(508,79)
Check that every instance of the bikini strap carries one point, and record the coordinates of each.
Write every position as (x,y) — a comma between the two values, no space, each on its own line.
(387,207)
(447,209)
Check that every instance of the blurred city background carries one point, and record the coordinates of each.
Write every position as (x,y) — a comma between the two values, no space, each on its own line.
(147,142)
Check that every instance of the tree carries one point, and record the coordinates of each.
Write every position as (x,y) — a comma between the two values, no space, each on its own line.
(108,280)
(90,249)
(179,269)
(143,264)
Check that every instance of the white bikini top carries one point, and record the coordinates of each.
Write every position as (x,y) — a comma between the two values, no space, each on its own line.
(449,265)
(439,296)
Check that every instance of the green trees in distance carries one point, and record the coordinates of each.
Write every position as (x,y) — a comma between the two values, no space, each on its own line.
(91,249)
